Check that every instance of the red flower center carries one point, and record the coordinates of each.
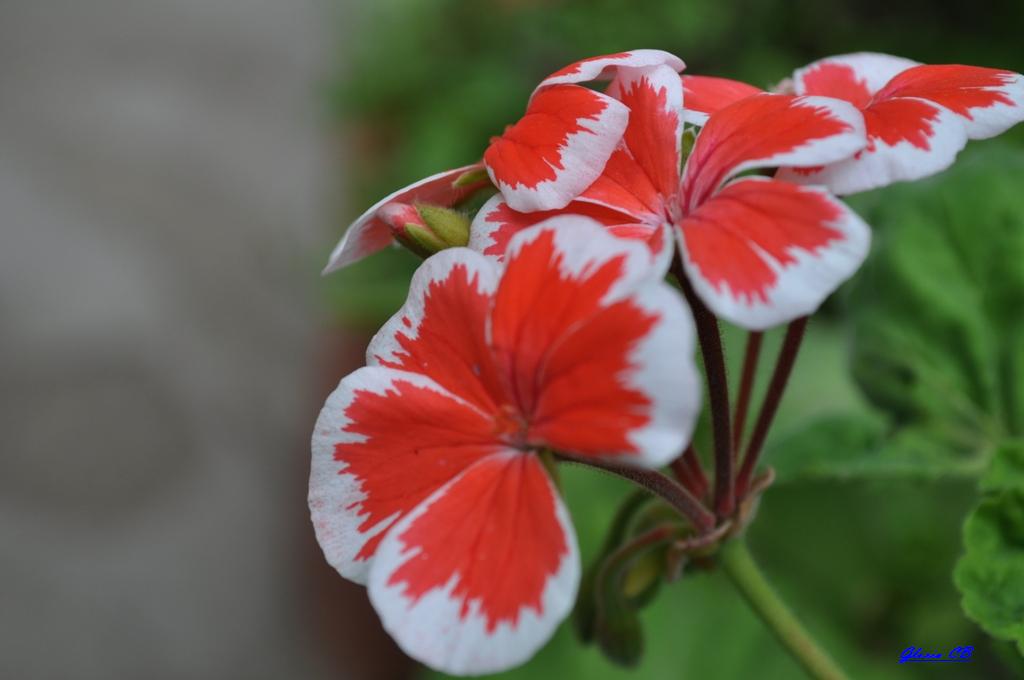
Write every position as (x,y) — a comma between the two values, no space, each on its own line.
(510,426)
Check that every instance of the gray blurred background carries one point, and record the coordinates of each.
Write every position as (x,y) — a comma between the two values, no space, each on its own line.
(165,176)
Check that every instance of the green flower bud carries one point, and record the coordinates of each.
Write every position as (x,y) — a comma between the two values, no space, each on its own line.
(426,229)
(451,226)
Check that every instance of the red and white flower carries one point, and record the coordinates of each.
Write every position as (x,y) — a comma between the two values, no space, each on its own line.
(759,252)
(426,484)
(548,157)
(917,116)
(562,142)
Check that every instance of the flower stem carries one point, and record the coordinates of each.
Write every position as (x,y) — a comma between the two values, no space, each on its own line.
(682,472)
(625,554)
(691,460)
(660,485)
(750,359)
(738,563)
(780,376)
(718,393)
(689,472)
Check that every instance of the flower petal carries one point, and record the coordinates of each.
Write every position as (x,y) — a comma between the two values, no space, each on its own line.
(557,148)
(624,186)
(479,576)
(369,233)
(703,95)
(654,96)
(769,130)
(606,66)
(496,223)
(384,441)
(440,331)
(585,327)
(621,385)
(988,100)
(908,139)
(763,252)
(854,77)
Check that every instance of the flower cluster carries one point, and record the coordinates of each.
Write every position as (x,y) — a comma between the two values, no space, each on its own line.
(543,327)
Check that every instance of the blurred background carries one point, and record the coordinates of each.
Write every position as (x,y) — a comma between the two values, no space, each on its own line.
(173,174)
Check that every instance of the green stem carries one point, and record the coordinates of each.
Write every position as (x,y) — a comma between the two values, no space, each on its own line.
(738,563)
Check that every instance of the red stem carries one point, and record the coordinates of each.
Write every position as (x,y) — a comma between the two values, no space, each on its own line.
(692,461)
(688,471)
(780,376)
(718,393)
(682,472)
(660,485)
(750,358)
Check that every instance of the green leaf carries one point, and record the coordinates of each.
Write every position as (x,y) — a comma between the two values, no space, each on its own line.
(936,312)
(858,446)
(937,332)
(990,575)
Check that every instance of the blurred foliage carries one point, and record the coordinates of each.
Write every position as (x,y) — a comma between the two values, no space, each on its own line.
(937,330)
(867,565)
(991,573)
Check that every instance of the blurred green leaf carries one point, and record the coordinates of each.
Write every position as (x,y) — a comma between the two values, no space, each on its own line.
(619,633)
(367,293)
(937,332)
(857,446)
(990,575)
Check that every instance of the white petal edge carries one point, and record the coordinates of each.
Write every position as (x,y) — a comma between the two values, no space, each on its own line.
(885,164)
(873,68)
(431,629)
(666,371)
(825,149)
(800,288)
(989,121)
(814,152)
(582,156)
(331,492)
(481,231)
(661,80)
(438,267)
(662,259)
(584,243)
(604,68)
(695,118)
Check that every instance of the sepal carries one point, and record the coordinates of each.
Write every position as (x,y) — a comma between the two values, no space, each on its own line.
(426,229)
(625,577)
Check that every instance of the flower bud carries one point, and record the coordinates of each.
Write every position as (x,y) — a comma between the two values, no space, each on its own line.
(426,229)
(475,178)
(643,578)
(620,636)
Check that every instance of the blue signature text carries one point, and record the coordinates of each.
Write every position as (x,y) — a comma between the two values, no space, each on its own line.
(918,655)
